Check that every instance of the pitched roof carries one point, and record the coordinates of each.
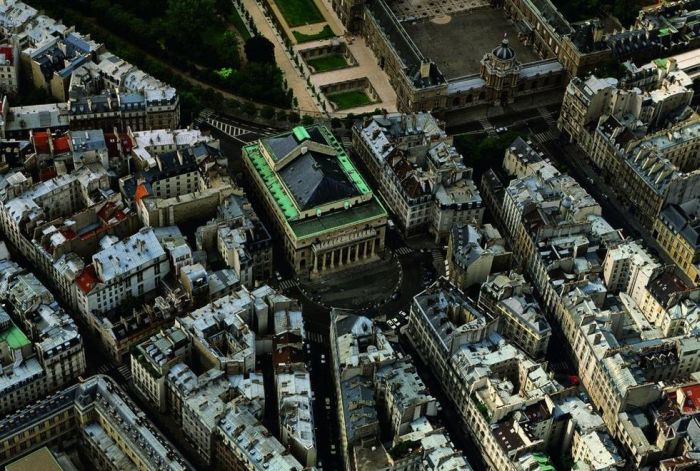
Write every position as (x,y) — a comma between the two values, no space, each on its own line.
(316,179)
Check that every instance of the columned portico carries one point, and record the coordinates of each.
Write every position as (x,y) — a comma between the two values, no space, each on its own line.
(341,253)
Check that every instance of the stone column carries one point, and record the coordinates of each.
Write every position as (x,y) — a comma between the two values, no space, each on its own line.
(333,259)
(315,262)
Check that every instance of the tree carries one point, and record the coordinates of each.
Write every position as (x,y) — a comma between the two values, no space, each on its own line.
(267,112)
(249,108)
(185,20)
(349,120)
(260,49)
(307,120)
(228,50)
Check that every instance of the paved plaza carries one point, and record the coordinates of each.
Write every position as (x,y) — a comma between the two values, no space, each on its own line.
(472,33)
(357,288)
(405,9)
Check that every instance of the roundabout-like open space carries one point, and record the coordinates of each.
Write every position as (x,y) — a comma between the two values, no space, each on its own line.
(358,288)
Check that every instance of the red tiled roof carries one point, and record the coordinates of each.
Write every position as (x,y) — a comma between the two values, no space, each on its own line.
(40,140)
(287,356)
(113,140)
(47,173)
(141,192)
(110,211)
(692,399)
(7,50)
(61,144)
(68,233)
(87,279)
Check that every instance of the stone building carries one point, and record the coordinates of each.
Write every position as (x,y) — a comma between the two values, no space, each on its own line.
(325,213)
(421,176)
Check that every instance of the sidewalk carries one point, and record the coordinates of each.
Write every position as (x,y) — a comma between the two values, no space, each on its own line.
(305,102)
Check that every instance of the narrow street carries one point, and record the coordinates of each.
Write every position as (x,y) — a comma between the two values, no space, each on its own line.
(575,162)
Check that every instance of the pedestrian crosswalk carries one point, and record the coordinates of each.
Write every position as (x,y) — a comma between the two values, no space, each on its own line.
(226,128)
(547,115)
(438,260)
(288,284)
(317,337)
(488,127)
(404,251)
(104,369)
(125,371)
(545,136)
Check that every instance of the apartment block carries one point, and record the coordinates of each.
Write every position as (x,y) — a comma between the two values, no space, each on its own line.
(474,253)
(97,416)
(122,270)
(41,349)
(480,373)
(420,175)
(677,229)
(521,319)
(220,410)
(375,386)
(644,140)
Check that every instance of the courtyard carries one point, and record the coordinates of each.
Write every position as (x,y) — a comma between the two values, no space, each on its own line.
(333,61)
(405,9)
(473,33)
(350,99)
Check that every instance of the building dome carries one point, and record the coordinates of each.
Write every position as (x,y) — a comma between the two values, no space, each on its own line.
(504,51)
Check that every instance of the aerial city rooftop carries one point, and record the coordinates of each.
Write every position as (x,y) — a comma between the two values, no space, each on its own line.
(455,235)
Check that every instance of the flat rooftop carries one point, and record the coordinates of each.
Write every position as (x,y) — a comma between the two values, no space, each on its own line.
(41,459)
(14,337)
(473,33)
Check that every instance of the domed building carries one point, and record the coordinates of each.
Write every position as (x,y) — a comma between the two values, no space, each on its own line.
(500,70)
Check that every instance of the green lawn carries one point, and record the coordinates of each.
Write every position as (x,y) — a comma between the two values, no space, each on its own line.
(330,62)
(325,33)
(350,99)
(300,12)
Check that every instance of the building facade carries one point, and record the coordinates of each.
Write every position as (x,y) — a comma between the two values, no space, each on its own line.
(321,207)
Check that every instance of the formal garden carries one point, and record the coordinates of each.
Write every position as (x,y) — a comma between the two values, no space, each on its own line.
(327,63)
(300,12)
(350,99)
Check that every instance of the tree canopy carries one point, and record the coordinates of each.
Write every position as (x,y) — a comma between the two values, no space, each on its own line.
(260,49)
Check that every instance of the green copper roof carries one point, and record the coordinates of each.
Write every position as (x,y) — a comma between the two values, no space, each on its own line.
(543,462)
(301,134)
(315,226)
(285,201)
(14,337)
(345,162)
(272,182)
